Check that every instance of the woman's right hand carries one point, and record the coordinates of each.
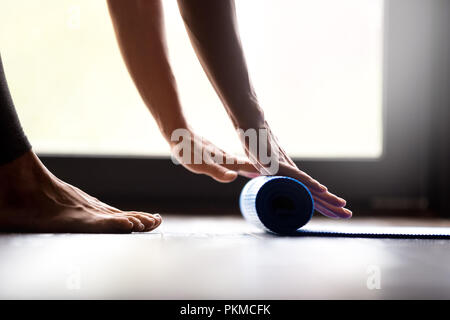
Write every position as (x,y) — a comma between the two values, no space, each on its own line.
(200,156)
(279,163)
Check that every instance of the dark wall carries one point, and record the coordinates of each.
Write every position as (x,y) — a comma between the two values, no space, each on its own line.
(439,129)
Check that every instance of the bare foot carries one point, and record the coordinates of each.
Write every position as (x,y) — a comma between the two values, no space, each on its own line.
(32,199)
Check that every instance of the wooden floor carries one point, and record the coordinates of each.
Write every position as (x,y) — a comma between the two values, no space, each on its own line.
(223,258)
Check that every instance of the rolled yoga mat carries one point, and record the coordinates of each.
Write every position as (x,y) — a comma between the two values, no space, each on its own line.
(277,204)
(283,205)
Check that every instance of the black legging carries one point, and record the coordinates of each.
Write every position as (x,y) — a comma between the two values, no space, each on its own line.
(13,142)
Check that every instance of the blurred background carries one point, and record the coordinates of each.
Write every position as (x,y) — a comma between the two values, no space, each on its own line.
(355,90)
(317,73)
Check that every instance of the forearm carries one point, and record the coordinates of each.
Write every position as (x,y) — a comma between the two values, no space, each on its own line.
(139,29)
(212,28)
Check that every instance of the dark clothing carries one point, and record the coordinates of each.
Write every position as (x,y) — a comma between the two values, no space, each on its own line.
(13,142)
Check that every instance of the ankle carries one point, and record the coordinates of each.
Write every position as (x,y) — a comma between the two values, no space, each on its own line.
(23,173)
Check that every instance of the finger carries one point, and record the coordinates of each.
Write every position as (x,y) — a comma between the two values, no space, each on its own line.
(324,211)
(239,164)
(313,185)
(232,162)
(219,173)
(330,198)
(339,212)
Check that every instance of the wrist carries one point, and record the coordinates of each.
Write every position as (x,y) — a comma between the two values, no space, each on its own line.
(253,118)
(169,127)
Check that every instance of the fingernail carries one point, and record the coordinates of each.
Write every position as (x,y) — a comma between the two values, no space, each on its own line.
(157,215)
(230,173)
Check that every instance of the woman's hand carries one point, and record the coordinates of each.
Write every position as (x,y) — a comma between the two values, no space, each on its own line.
(325,202)
(201,156)
(280,163)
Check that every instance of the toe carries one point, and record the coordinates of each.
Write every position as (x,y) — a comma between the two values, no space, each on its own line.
(138,226)
(115,225)
(80,220)
(151,221)
(158,220)
(147,220)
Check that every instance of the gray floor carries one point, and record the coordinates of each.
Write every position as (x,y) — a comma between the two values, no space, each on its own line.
(223,258)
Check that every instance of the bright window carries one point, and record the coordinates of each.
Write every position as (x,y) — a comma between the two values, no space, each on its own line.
(316,66)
